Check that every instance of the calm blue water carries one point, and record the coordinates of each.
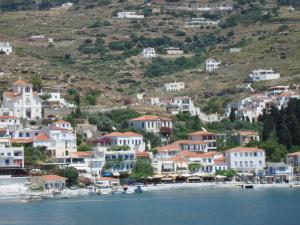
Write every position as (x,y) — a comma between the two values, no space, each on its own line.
(188,207)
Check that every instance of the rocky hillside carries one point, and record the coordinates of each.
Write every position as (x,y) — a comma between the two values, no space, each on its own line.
(92,50)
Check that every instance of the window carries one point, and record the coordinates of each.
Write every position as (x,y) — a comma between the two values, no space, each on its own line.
(236,163)
(6,161)
(241,164)
(246,154)
(260,163)
(27,135)
(20,134)
(235,154)
(27,89)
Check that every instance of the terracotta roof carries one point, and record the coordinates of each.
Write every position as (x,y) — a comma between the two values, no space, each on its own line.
(247,132)
(278,87)
(286,94)
(52,178)
(41,137)
(21,140)
(189,142)
(200,133)
(20,82)
(177,158)
(125,134)
(148,117)
(182,97)
(9,94)
(60,122)
(8,117)
(245,149)
(142,154)
(81,154)
(107,179)
(294,154)
(167,148)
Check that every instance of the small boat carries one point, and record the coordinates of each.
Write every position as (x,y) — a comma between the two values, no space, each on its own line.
(138,190)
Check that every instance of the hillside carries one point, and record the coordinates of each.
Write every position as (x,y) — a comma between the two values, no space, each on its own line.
(94,51)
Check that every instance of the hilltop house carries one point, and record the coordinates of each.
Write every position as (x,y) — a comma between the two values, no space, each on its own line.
(173,51)
(174,86)
(258,75)
(148,53)
(212,64)
(67,5)
(129,15)
(196,22)
(5,48)
(182,104)
(23,101)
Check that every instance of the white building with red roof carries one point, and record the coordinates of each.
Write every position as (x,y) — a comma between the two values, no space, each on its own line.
(246,159)
(152,124)
(208,137)
(23,101)
(131,140)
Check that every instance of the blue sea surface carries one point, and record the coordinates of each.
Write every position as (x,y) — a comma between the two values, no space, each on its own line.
(184,207)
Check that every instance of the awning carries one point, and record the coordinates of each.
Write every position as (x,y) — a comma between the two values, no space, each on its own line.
(220,177)
(166,178)
(116,174)
(194,178)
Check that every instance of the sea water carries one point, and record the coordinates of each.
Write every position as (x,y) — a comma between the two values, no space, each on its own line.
(181,207)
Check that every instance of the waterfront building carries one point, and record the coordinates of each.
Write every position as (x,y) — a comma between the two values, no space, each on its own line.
(294,160)
(279,171)
(246,159)
(48,182)
(10,157)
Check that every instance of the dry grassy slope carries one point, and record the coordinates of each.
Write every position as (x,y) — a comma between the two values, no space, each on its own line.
(70,28)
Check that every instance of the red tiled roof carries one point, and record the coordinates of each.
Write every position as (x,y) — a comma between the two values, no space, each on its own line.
(8,117)
(41,137)
(107,179)
(142,154)
(81,154)
(167,148)
(52,178)
(245,149)
(247,132)
(125,134)
(60,122)
(201,133)
(9,94)
(294,154)
(148,117)
(177,158)
(189,142)
(20,82)
(22,140)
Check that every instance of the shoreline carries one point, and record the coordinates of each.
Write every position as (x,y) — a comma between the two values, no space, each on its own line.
(67,193)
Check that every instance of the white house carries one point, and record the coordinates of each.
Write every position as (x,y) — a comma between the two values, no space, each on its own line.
(55,97)
(245,160)
(294,160)
(152,124)
(174,86)
(212,64)
(196,22)
(10,156)
(62,124)
(262,74)
(193,146)
(132,140)
(67,5)
(174,51)
(277,90)
(6,48)
(58,140)
(279,171)
(9,122)
(182,104)
(129,15)
(149,53)
(23,101)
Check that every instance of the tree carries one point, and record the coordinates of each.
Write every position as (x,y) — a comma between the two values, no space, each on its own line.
(228,173)
(36,83)
(232,115)
(34,155)
(142,168)
(194,167)
(154,139)
(71,174)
